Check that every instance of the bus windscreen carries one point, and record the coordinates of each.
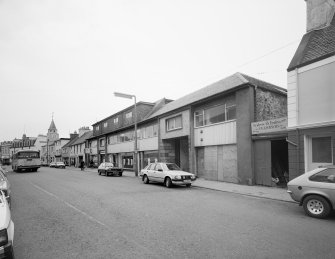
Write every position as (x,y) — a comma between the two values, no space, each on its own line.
(28,155)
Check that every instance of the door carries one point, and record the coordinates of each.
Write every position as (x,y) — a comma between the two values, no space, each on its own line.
(159,173)
(200,161)
(262,156)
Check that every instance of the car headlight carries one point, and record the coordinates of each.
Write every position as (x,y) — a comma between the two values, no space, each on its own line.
(177,177)
(193,177)
(3,237)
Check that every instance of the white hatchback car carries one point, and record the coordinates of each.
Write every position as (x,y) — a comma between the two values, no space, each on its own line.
(167,173)
(6,229)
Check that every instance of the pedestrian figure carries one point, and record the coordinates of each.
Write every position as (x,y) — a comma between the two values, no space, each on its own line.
(82,165)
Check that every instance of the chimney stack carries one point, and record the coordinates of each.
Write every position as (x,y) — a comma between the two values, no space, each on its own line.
(319,13)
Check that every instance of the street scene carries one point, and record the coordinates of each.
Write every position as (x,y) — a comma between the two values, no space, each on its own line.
(167,129)
(68,213)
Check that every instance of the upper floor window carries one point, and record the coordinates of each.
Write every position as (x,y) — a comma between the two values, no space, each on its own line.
(215,114)
(129,115)
(97,128)
(102,142)
(173,123)
(116,120)
(105,124)
(112,139)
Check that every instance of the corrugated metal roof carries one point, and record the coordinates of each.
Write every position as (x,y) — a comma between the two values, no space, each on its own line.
(228,83)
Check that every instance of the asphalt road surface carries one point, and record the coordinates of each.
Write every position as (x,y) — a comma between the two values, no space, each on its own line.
(66,213)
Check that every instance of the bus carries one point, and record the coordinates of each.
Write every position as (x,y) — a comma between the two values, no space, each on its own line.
(27,160)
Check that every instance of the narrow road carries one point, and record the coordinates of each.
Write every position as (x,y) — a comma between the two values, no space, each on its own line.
(65,213)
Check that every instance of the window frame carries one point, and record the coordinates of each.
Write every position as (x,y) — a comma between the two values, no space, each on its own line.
(174,119)
(201,112)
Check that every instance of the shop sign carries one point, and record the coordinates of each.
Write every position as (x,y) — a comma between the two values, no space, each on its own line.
(261,127)
(87,151)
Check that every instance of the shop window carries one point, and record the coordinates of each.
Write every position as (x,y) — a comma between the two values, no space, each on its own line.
(173,123)
(127,161)
(321,150)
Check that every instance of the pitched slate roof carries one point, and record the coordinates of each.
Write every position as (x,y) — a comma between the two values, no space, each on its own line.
(83,138)
(314,46)
(228,83)
(68,144)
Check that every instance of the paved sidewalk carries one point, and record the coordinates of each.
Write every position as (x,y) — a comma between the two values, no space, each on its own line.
(272,193)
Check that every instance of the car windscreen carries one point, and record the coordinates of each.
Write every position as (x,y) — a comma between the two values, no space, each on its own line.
(173,167)
(109,164)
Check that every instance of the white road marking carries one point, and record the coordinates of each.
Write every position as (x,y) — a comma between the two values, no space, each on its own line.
(70,205)
(95,220)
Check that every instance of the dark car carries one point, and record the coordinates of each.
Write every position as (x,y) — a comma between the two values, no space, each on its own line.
(109,169)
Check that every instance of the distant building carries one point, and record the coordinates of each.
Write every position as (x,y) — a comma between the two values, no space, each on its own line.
(5,152)
(28,143)
(48,150)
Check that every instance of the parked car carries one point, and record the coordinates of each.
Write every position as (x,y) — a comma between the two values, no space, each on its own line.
(109,168)
(167,173)
(44,163)
(52,164)
(315,191)
(6,229)
(5,185)
(59,165)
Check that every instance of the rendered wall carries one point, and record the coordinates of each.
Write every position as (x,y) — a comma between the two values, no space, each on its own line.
(244,116)
(317,95)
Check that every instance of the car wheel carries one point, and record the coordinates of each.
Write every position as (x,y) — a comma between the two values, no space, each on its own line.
(145,179)
(106,173)
(168,182)
(120,173)
(188,185)
(99,172)
(316,206)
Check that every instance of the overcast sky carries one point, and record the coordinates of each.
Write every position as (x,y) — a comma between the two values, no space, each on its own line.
(69,56)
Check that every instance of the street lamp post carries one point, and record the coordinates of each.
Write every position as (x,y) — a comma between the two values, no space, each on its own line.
(129,96)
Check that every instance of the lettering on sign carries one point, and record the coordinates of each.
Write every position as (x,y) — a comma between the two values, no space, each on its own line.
(268,126)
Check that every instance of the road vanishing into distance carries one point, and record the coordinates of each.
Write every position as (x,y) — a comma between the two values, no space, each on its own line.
(67,213)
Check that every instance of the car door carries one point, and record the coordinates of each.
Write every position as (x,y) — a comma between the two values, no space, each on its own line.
(151,172)
(159,173)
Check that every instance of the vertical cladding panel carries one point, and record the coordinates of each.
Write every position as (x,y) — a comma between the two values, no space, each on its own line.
(228,159)
(292,90)
(219,134)
(210,161)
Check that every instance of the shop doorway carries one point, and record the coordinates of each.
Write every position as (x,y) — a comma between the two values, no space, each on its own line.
(279,162)
(271,162)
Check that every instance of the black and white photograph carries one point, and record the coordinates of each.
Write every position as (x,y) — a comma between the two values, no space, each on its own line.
(167,129)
